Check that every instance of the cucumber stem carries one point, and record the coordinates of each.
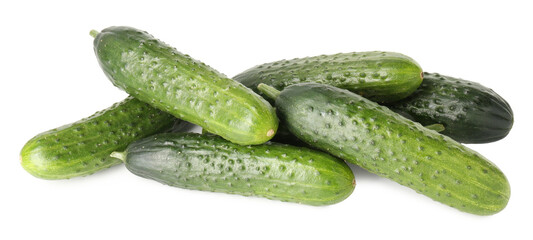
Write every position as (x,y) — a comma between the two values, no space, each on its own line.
(437,127)
(268,91)
(120,155)
(94,33)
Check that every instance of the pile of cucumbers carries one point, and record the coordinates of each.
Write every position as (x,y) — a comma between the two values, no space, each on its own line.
(284,130)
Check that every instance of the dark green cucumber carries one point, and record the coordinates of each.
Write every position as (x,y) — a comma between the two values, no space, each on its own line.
(210,163)
(379,76)
(83,147)
(158,74)
(470,112)
(381,141)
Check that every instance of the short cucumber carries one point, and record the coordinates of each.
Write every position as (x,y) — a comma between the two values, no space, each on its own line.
(381,141)
(470,112)
(379,76)
(210,163)
(158,74)
(83,147)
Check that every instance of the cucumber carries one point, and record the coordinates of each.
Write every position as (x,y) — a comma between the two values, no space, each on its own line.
(210,163)
(158,74)
(383,142)
(379,76)
(83,147)
(470,112)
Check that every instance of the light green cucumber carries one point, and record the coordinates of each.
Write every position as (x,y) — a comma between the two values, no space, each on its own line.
(83,147)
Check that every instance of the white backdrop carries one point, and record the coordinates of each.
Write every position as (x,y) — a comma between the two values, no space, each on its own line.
(50,77)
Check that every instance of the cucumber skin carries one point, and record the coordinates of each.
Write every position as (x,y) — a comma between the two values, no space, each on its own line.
(158,74)
(210,163)
(378,76)
(83,147)
(470,112)
(362,132)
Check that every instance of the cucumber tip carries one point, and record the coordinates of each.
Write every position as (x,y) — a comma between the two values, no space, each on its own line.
(270,133)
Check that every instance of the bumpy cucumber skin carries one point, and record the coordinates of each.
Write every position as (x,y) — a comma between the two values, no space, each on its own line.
(470,112)
(158,74)
(381,141)
(83,147)
(210,163)
(379,76)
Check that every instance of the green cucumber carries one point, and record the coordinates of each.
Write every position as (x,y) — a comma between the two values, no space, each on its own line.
(83,147)
(158,74)
(379,76)
(210,163)
(383,142)
(470,112)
